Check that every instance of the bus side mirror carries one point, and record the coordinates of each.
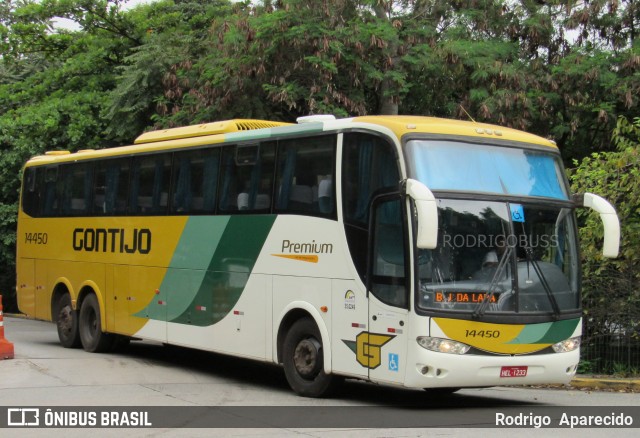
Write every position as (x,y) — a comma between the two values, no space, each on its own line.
(609,219)
(427,212)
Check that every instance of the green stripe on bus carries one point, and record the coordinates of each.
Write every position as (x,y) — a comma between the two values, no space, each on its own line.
(228,271)
(546,333)
(559,331)
(531,333)
(190,260)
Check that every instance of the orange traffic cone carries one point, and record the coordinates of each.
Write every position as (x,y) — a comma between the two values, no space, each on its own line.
(6,347)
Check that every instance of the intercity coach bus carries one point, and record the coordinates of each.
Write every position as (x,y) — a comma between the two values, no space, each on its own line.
(410,251)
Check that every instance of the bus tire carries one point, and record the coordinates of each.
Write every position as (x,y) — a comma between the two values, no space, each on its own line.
(303,361)
(67,323)
(94,340)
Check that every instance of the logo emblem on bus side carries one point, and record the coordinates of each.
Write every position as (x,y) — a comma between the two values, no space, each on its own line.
(368,348)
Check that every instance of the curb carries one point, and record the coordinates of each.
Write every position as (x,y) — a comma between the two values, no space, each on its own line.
(621,384)
(17,315)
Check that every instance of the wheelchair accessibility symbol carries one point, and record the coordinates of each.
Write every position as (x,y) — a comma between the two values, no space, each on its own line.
(393,362)
(517,213)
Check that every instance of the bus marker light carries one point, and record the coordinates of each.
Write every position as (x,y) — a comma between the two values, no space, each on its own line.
(237,312)
(324,309)
(356,325)
(201,308)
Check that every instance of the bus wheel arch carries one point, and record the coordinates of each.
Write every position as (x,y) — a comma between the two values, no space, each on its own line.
(65,316)
(90,322)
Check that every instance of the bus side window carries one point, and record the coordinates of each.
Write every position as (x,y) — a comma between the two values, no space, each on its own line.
(150,180)
(50,198)
(195,181)
(77,179)
(305,176)
(31,192)
(247,178)
(368,165)
(111,187)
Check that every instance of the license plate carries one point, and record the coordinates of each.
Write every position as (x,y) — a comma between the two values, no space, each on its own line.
(513,371)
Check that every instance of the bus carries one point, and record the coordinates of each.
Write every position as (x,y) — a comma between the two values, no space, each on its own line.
(403,250)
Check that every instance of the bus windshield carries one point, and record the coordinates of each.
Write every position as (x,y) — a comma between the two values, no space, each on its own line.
(458,166)
(493,255)
(501,257)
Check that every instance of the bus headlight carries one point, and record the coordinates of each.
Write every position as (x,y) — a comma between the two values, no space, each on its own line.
(442,345)
(567,345)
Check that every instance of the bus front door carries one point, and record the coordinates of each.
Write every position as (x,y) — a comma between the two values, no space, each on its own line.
(386,346)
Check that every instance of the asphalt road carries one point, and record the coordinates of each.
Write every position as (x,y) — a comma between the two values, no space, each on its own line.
(146,374)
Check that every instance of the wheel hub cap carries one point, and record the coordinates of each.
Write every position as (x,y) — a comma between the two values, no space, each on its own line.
(305,358)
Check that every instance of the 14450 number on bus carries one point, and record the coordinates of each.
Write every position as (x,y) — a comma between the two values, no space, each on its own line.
(36,238)
(482,333)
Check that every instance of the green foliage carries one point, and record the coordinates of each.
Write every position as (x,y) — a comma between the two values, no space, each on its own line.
(616,177)
(7,255)
(56,88)
(611,294)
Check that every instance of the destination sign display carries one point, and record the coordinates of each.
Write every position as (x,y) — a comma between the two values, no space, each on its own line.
(463,297)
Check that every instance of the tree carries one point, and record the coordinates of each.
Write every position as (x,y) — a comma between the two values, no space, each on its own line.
(58,85)
(611,294)
(175,37)
(511,63)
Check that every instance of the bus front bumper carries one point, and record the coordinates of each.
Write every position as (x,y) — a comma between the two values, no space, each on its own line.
(442,370)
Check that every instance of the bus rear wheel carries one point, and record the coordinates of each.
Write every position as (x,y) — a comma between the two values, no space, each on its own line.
(303,361)
(67,323)
(93,339)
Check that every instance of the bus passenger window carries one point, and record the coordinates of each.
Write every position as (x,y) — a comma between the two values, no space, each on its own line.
(305,176)
(111,187)
(247,178)
(195,181)
(150,185)
(30,191)
(77,192)
(51,191)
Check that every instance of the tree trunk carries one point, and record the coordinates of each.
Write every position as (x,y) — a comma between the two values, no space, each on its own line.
(386,105)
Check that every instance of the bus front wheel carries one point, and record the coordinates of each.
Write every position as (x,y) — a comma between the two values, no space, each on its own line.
(93,338)
(303,361)
(67,323)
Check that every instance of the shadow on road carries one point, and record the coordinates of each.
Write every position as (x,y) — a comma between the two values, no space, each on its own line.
(271,377)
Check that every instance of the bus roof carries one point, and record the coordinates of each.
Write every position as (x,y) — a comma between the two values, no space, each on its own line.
(246,129)
(213,128)
(406,125)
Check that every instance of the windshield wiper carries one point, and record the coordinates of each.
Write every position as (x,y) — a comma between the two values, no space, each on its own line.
(502,264)
(536,267)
